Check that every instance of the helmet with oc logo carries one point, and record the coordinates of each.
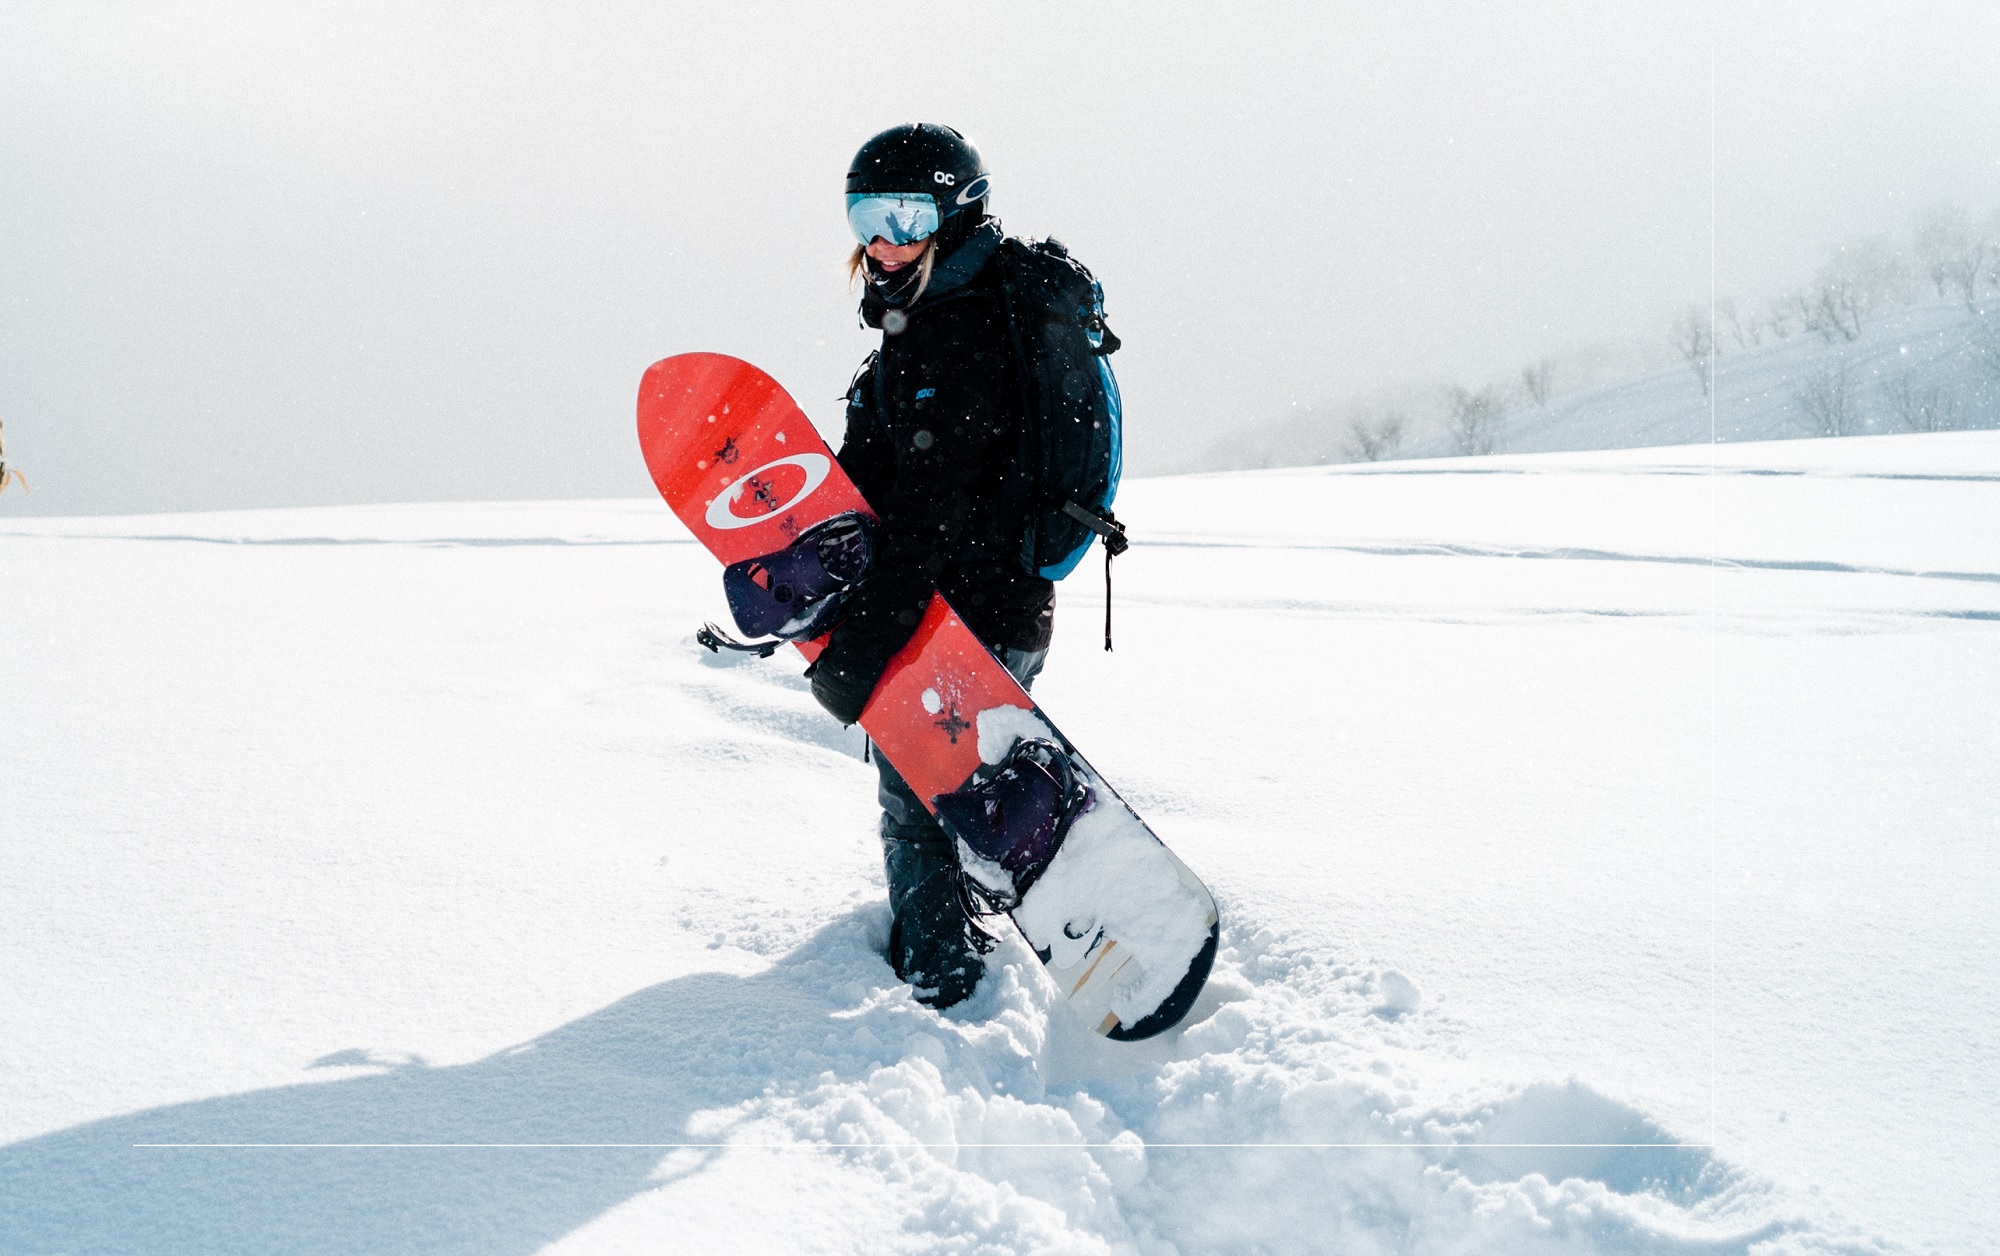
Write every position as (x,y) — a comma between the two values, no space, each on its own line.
(912,180)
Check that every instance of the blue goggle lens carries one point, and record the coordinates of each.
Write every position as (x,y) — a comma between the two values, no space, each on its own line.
(898,219)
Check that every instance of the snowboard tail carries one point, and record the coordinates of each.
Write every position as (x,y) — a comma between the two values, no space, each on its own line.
(1127,932)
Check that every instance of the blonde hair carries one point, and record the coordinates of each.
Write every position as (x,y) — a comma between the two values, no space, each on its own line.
(857,262)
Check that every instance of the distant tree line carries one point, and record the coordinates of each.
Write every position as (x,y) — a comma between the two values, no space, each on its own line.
(1950,256)
(1470,417)
(1946,255)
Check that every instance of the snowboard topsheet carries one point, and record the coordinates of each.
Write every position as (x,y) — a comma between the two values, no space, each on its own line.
(1127,932)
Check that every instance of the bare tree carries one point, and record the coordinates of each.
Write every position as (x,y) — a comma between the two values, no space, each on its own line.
(1779,322)
(1953,254)
(1538,381)
(1937,236)
(1991,233)
(1857,280)
(1746,331)
(1826,401)
(1694,340)
(1980,257)
(1841,306)
(1473,419)
(1804,306)
(1985,347)
(1373,436)
(1921,407)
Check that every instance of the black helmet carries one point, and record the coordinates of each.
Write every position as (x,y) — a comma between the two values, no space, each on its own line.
(923,157)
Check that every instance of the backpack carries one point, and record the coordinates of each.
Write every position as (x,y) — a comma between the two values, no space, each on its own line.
(1071,433)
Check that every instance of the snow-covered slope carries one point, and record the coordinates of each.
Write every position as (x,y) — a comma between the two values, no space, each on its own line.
(1937,352)
(1934,366)
(1604,841)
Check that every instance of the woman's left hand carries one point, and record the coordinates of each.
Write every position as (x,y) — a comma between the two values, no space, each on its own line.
(841,692)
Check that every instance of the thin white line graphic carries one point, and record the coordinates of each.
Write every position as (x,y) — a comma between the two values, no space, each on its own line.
(887,1146)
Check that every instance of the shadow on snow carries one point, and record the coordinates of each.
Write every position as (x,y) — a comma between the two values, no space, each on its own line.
(634,1072)
(644,1069)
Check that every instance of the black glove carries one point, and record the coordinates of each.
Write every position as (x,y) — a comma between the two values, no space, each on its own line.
(843,691)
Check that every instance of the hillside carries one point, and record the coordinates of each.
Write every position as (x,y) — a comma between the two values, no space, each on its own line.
(1781,390)
(1932,366)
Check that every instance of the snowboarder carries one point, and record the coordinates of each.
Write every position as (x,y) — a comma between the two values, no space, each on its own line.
(932,421)
(6,473)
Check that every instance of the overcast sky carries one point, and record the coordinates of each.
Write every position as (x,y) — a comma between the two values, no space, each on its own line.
(267,254)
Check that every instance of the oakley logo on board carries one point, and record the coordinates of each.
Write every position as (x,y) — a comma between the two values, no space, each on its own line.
(773,487)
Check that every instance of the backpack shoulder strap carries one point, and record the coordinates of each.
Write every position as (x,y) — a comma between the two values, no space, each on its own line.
(1006,260)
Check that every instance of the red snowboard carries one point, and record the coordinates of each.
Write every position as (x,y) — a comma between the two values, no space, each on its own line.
(1126,931)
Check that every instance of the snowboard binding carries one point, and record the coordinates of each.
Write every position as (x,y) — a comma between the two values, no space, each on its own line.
(1009,821)
(799,592)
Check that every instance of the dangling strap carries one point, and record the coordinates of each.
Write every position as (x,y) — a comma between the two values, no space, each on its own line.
(1107,526)
(717,640)
(1107,599)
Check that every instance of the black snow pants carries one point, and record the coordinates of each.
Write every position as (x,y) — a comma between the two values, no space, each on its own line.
(931,940)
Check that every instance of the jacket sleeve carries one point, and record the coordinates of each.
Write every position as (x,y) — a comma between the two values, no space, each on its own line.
(944,395)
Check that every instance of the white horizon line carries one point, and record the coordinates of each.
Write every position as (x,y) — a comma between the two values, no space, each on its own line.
(805,1146)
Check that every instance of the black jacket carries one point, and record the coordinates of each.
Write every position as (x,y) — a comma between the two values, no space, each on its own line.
(932,443)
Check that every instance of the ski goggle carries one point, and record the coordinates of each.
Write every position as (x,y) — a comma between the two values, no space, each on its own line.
(903,219)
